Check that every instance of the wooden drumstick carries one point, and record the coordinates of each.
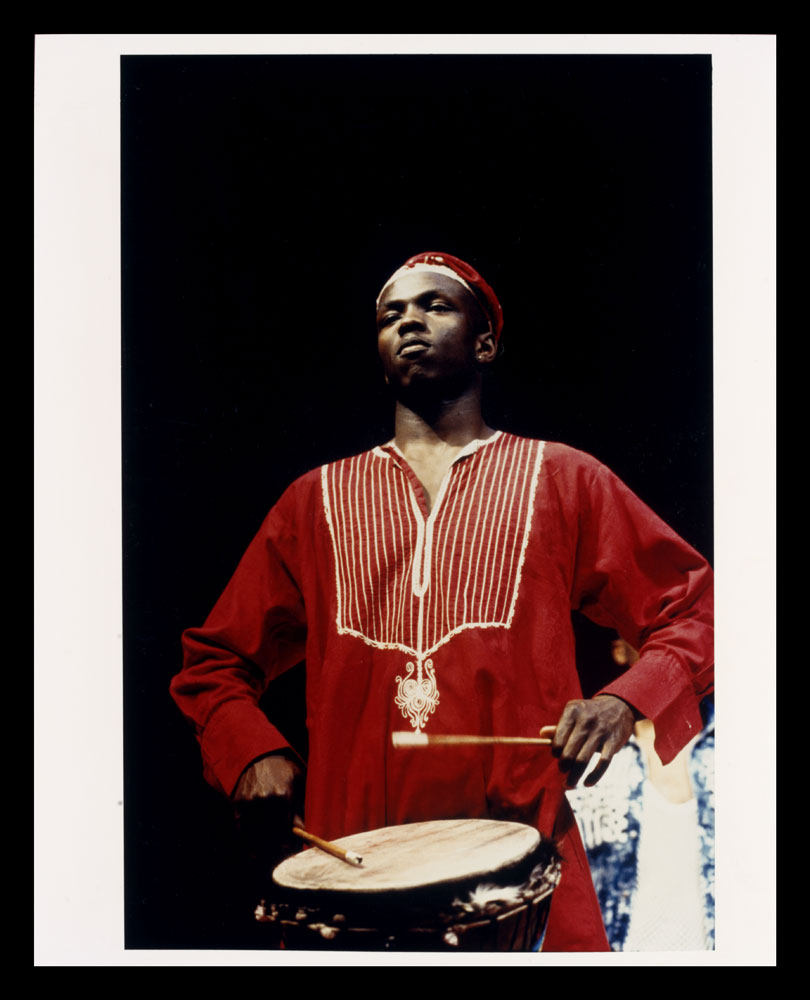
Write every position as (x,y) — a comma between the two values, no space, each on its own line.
(325,845)
(409,739)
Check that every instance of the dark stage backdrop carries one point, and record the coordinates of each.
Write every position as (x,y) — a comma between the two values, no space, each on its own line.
(264,201)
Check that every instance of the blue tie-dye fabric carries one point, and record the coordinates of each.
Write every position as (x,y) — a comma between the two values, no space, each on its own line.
(609,817)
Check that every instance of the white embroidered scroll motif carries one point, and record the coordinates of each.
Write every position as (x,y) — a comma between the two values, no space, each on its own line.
(417,697)
(409,581)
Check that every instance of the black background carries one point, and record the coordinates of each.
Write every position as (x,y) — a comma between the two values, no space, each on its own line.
(264,202)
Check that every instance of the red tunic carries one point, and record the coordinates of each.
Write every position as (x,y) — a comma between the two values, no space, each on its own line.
(456,621)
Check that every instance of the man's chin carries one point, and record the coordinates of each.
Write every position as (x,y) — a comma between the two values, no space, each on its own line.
(426,386)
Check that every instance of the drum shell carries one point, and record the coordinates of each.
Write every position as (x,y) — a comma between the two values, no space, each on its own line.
(519,927)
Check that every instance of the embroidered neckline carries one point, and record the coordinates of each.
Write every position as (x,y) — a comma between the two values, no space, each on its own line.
(470,448)
(432,592)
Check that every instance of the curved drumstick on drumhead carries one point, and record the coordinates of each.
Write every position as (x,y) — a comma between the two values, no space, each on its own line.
(326,845)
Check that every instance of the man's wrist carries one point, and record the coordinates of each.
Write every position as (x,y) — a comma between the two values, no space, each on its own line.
(283,753)
(635,712)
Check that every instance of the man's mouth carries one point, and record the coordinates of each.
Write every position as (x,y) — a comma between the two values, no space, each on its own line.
(412,347)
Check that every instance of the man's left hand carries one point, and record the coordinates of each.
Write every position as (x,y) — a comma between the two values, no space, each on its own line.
(599,725)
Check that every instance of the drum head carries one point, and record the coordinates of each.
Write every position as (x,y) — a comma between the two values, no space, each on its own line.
(412,856)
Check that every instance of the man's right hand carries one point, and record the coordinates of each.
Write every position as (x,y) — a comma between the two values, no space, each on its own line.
(268,778)
(268,800)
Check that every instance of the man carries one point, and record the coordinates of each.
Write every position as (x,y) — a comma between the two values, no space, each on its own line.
(429,584)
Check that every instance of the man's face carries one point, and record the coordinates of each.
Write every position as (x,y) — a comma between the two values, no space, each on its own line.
(429,327)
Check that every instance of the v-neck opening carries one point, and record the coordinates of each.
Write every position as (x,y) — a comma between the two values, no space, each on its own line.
(416,484)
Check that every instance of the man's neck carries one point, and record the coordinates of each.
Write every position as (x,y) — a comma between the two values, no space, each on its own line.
(431,437)
(422,428)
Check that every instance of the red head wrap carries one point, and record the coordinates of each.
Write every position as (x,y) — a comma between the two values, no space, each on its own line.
(445,263)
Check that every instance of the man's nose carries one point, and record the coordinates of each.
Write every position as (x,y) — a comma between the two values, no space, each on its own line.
(412,318)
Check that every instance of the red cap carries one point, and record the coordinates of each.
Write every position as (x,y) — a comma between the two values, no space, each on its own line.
(445,263)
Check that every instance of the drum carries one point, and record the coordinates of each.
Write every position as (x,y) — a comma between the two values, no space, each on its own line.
(446,885)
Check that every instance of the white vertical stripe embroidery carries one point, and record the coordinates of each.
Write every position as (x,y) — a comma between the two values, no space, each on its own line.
(402,561)
(513,518)
(462,487)
(505,552)
(368,583)
(385,510)
(481,526)
(468,539)
(409,582)
(487,575)
(375,506)
(440,534)
(344,578)
(493,580)
(352,547)
(535,475)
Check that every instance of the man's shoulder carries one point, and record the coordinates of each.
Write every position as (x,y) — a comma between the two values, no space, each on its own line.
(311,480)
(556,455)
(565,455)
(572,471)
(378,451)
(296,499)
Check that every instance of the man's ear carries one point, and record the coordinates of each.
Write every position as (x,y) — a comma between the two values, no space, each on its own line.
(486,347)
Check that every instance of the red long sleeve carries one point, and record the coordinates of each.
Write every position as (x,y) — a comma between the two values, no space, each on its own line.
(635,575)
(255,632)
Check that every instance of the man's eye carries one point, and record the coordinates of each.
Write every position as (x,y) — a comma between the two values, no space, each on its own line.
(440,306)
(388,320)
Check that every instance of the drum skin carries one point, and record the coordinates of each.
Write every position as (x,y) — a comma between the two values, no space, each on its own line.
(446,885)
